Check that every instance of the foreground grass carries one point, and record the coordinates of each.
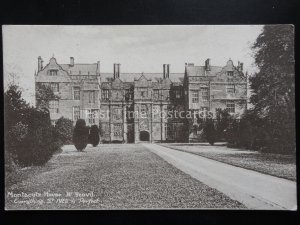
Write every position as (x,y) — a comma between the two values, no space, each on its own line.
(283,166)
(119,177)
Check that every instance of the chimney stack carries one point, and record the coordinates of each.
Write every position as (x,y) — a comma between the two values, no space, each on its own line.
(71,61)
(98,68)
(116,70)
(166,70)
(240,66)
(40,63)
(207,65)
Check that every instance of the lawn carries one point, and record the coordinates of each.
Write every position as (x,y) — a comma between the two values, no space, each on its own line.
(283,166)
(111,177)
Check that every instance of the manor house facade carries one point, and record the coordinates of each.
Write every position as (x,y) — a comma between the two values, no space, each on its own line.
(105,99)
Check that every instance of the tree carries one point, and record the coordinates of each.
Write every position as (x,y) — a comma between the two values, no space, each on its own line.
(14,104)
(29,136)
(274,85)
(15,130)
(64,130)
(80,135)
(44,94)
(94,137)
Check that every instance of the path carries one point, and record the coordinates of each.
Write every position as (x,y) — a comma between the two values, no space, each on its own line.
(255,190)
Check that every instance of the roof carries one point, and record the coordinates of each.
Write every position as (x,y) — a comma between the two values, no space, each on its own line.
(84,69)
(154,77)
(200,71)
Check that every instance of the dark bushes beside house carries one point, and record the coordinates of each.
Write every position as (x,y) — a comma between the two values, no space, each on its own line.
(255,133)
(210,132)
(269,126)
(80,135)
(94,137)
(29,137)
(40,142)
(64,130)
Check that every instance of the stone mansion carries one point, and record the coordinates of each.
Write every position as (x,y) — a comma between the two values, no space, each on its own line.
(85,91)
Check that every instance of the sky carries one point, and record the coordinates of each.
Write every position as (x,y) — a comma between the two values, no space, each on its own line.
(137,48)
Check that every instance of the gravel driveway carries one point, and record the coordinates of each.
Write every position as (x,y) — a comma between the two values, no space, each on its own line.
(112,177)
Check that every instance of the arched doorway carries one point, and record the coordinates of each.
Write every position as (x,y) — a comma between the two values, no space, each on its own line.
(144,136)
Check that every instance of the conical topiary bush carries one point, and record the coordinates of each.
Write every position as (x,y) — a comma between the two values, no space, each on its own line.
(80,135)
(94,137)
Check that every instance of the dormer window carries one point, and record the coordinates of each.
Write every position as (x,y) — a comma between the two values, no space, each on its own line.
(230,73)
(52,72)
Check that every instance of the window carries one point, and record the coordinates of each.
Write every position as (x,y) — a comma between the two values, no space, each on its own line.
(143,110)
(91,96)
(91,113)
(204,93)
(167,95)
(76,93)
(230,106)
(230,73)
(177,94)
(168,131)
(143,94)
(156,112)
(52,72)
(53,106)
(195,96)
(105,94)
(54,87)
(117,114)
(230,89)
(76,113)
(118,130)
(128,94)
(156,94)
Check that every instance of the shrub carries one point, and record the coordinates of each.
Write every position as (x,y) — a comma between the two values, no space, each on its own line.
(39,143)
(223,119)
(94,137)
(64,130)
(210,132)
(232,134)
(29,137)
(80,135)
